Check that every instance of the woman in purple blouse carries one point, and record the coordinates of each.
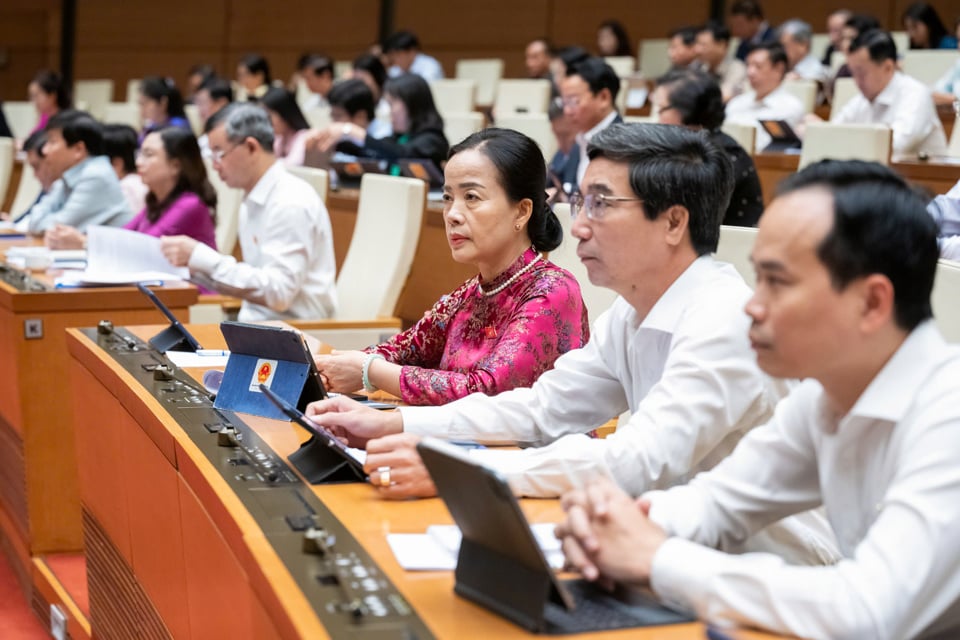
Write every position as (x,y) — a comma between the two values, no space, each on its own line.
(502,328)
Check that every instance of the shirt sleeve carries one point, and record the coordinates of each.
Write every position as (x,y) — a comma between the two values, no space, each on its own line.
(915,119)
(41,213)
(85,201)
(534,336)
(897,581)
(286,258)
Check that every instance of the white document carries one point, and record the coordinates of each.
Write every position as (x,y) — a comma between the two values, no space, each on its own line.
(114,250)
(437,549)
(189,359)
(91,278)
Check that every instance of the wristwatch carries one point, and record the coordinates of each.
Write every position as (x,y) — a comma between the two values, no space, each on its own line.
(347,130)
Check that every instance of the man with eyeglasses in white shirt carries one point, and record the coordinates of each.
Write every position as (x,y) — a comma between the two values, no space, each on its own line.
(672,350)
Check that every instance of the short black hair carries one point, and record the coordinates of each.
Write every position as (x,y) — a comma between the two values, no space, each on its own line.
(35,142)
(284,104)
(353,96)
(880,225)
(862,22)
(747,9)
(718,30)
(878,43)
(401,41)
(78,126)
(672,166)
(774,49)
(687,35)
(256,63)
(372,65)
(120,141)
(598,75)
(521,172)
(203,70)
(218,88)
(696,96)
(572,55)
(316,62)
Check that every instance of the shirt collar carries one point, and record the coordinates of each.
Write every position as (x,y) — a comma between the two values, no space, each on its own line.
(584,138)
(888,96)
(261,191)
(71,175)
(667,311)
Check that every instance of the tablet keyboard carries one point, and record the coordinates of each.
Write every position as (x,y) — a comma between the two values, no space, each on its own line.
(597,610)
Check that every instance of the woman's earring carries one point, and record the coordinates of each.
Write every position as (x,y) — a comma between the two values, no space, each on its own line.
(516,227)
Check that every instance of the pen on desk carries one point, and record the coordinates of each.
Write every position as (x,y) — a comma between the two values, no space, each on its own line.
(212,352)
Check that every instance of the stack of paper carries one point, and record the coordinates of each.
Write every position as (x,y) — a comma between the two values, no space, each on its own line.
(121,257)
(437,549)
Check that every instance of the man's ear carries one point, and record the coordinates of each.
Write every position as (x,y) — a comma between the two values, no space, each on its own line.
(677,220)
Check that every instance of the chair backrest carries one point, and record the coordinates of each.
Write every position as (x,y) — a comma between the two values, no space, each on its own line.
(27,191)
(622,65)
(318,117)
(805,91)
(486,72)
(597,299)
(341,68)
(744,134)
(954,148)
(535,125)
(521,96)
(123,113)
(837,60)
(928,65)
(818,44)
(381,251)
(945,299)
(228,211)
(846,142)
(640,119)
(454,96)
(6,166)
(302,93)
(21,117)
(735,246)
(318,179)
(193,117)
(457,126)
(902,40)
(844,90)
(133,90)
(96,93)
(654,61)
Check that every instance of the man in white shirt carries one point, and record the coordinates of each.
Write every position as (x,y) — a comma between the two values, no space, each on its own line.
(284,230)
(795,37)
(589,93)
(767,99)
(889,97)
(713,43)
(672,350)
(845,261)
(317,74)
(403,52)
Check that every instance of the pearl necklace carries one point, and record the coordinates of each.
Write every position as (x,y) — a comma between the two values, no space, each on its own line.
(510,280)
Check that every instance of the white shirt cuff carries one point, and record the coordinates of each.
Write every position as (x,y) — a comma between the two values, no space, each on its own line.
(204,259)
(681,572)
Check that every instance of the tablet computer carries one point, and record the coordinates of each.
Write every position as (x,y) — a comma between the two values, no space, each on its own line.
(349,172)
(423,169)
(782,135)
(175,337)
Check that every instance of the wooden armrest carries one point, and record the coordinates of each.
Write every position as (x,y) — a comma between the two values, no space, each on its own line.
(333,324)
(227,303)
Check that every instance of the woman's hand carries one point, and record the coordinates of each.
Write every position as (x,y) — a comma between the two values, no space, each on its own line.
(352,422)
(325,139)
(342,371)
(395,459)
(61,236)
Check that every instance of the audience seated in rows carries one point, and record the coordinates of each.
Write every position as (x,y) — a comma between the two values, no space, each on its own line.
(498,330)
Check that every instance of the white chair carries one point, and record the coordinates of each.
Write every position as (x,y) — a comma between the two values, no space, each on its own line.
(818,44)
(622,65)
(597,299)
(21,117)
(133,90)
(457,126)
(805,91)
(640,119)
(844,90)
(127,113)
(228,210)
(342,68)
(654,61)
(27,191)
(928,65)
(303,93)
(846,142)
(521,96)
(620,102)
(902,40)
(486,72)
(734,247)
(945,299)
(954,148)
(6,166)
(318,179)
(837,60)
(318,117)
(193,117)
(453,96)
(744,134)
(96,93)
(535,125)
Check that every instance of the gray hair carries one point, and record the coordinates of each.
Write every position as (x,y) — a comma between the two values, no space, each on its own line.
(245,120)
(798,30)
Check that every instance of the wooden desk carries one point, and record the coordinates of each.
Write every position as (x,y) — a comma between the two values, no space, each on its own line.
(937,174)
(433,272)
(173,551)
(39,498)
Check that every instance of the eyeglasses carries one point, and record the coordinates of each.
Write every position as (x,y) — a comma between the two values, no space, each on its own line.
(595,205)
(219,154)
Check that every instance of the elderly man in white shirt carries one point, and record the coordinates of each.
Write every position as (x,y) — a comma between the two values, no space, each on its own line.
(889,97)
(845,261)
(767,100)
(795,36)
(284,229)
(672,350)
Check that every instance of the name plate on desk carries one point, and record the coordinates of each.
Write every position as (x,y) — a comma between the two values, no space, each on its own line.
(275,357)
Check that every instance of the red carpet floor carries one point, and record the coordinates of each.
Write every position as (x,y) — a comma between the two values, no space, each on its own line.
(17,621)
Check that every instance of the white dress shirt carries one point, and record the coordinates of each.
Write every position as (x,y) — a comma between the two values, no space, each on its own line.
(288,269)
(888,476)
(810,68)
(134,191)
(779,104)
(583,139)
(427,67)
(906,106)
